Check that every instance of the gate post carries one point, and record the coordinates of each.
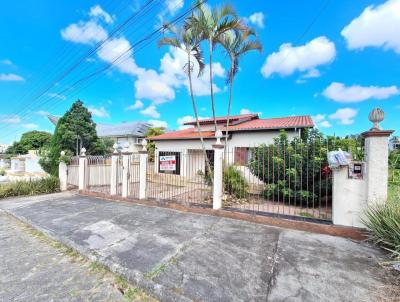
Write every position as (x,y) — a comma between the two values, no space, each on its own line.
(114,163)
(125,171)
(63,173)
(143,170)
(82,170)
(376,157)
(218,173)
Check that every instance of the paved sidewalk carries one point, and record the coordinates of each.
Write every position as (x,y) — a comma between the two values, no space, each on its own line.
(181,256)
(31,270)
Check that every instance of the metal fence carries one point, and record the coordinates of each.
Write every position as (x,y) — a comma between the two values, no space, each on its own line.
(73,173)
(183,179)
(133,176)
(98,174)
(287,178)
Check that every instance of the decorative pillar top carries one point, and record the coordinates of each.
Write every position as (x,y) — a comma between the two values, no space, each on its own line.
(62,153)
(83,151)
(144,144)
(218,135)
(376,116)
(115,146)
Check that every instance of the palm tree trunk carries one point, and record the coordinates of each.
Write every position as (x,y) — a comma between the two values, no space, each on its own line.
(229,107)
(211,84)
(196,115)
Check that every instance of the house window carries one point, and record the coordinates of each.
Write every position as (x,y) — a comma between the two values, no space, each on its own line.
(242,156)
(169,162)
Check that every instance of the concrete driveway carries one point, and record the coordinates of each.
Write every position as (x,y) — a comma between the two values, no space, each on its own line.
(179,256)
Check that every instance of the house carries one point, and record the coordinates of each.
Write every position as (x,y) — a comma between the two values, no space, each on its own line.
(26,164)
(132,133)
(183,147)
(394,143)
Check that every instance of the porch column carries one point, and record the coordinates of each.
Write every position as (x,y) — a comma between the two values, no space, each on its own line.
(82,170)
(125,172)
(143,157)
(218,173)
(114,164)
(63,173)
(376,157)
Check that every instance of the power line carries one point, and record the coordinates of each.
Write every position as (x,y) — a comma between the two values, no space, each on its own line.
(149,38)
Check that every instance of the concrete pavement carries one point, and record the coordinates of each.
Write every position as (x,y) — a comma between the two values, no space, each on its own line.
(179,256)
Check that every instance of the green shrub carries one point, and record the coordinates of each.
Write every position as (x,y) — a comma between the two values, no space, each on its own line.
(384,222)
(234,183)
(20,188)
(2,172)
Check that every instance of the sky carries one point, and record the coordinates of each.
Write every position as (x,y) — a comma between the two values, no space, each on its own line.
(333,60)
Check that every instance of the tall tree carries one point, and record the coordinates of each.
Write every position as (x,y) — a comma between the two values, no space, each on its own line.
(236,44)
(209,24)
(32,140)
(187,40)
(75,124)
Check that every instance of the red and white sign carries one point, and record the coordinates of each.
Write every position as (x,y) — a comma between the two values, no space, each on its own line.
(168,163)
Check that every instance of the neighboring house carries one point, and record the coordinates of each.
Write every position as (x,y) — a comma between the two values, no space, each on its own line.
(183,147)
(27,163)
(132,133)
(3,148)
(394,143)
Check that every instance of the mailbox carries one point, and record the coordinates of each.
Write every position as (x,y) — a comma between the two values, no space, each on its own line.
(356,170)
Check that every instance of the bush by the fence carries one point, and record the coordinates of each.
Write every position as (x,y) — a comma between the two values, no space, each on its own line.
(35,187)
(384,222)
(234,183)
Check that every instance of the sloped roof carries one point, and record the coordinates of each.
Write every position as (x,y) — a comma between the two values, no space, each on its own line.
(255,124)
(123,129)
(190,133)
(223,119)
(303,121)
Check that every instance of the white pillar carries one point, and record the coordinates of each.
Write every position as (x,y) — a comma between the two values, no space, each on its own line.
(63,174)
(143,156)
(377,165)
(125,173)
(114,164)
(218,173)
(82,170)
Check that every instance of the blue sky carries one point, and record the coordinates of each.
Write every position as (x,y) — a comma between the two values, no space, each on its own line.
(334,60)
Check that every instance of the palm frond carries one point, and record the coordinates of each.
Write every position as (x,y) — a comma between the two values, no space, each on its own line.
(169,42)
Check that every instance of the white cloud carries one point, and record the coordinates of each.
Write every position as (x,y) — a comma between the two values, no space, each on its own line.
(138,105)
(377,26)
(354,94)
(158,124)
(325,124)
(6,62)
(10,118)
(174,5)
(256,19)
(57,96)
(42,113)
(11,77)
(150,111)
(319,117)
(320,120)
(84,32)
(153,86)
(119,48)
(30,126)
(248,111)
(344,116)
(305,58)
(99,112)
(97,11)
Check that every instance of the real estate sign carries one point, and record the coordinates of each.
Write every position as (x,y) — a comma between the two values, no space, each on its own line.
(168,163)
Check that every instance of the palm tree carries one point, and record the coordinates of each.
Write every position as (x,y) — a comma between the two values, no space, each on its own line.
(184,39)
(236,45)
(210,24)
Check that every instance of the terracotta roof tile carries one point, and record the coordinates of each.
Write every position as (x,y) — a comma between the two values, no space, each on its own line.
(304,121)
(224,119)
